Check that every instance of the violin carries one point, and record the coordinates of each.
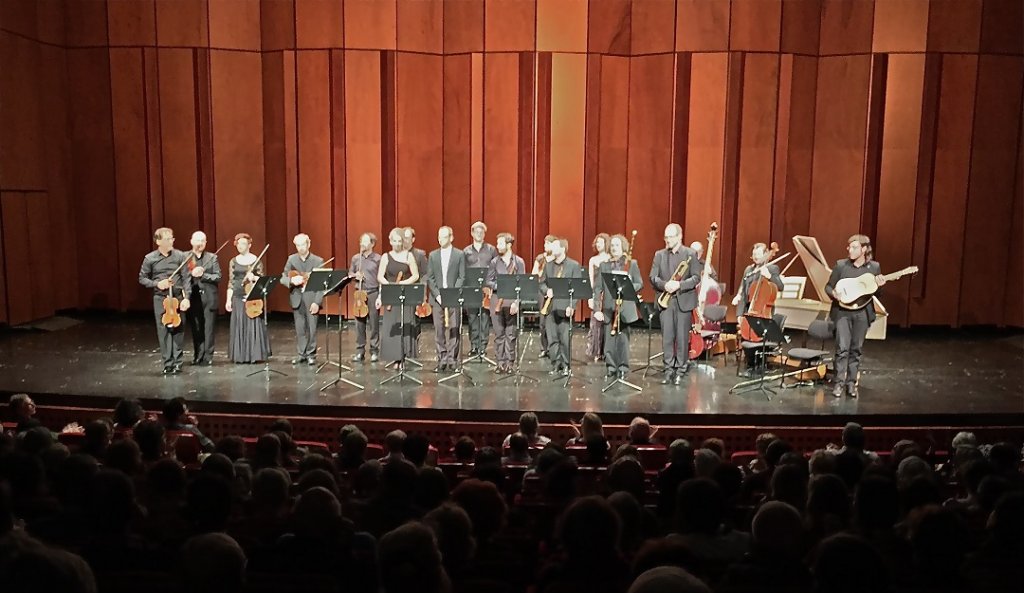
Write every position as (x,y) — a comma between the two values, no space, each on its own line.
(361,307)
(760,298)
(423,309)
(171,316)
(304,275)
(254,308)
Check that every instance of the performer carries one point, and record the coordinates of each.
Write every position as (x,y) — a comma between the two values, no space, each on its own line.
(759,254)
(305,304)
(503,312)
(538,270)
(249,341)
(851,326)
(409,237)
(364,268)
(446,268)
(479,255)
(396,345)
(205,271)
(560,315)
(595,337)
(616,348)
(676,319)
(698,248)
(157,267)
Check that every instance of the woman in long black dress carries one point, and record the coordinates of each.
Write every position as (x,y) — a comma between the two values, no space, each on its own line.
(249,341)
(396,344)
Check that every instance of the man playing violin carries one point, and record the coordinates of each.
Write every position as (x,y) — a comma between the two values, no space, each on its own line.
(305,304)
(751,274)
(204,268)
(851,326)
(364,269)
(157,268)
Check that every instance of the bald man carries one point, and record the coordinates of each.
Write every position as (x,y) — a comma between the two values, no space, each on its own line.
(676,319)
(205,271)
(305,303)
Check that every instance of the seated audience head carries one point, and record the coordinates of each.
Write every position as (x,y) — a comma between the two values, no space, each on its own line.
(853,436)
(822,461)
(705,461)
(464,449)
(124,456)
(700,507)
(431,488)
(166,480)
(589,531)
(777,530)
(209,498)
(774,452)
(627,475)
(1005,457)
(267,452)
(591,425)
(213,562)
(353,446)
(715,444)
(789,485)
(281,424)
(98,435)
(876,504)
(21,407)
(485,506)
(175,411)
(964,439)
(112,503)
(453,531)
(219,464)
(668,578)
(680,452)
(845,563)
(127,413)
(317,478)
(232,447)
(149,434)
(597,450)
(762,441)
(519,448)
(393,442)
(316,514)
(410,561)
(529,425)
(270,490)
(640,431)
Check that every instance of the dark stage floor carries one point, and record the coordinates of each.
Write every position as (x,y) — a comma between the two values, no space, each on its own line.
(923,372)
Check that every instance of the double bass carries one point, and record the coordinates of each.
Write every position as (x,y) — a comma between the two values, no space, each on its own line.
(760,297)
(696,339)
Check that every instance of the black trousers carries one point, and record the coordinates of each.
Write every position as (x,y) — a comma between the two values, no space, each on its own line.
(505,336)
(479,321)
(616,348)
(447,339)
(305,327)
(172,340)
(558,338)
(851,329)
(201,319)
(675,336)
(369,323)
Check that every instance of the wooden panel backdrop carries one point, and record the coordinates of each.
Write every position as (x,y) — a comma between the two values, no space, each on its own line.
(898,118)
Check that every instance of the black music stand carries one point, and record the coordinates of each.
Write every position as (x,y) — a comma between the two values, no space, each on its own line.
(259,291)
(573,289)
(475,279)
(461,297)
(327,281)
(336,284)
(396,295)
(769,331)
(621,285)
(649,312)
(510,288)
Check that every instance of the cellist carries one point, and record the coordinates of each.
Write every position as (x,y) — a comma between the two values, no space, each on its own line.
(157,268)
(771,273)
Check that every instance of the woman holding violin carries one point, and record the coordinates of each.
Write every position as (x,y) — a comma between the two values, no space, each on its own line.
(397,266)
(759,286)
(162,272)
(249,341)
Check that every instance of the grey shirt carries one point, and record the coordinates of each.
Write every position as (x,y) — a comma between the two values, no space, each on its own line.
(296,263)
(157,266)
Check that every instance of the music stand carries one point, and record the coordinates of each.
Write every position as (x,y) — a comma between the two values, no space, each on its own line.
(396,295)
(475,279)
(259,291)
(573,289)
(510,288)
(461,297)
(648,311)
(769,331)
(327,281)
(336,284)
(621,285)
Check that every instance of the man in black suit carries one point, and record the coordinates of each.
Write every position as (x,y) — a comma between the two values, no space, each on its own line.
(562,310)
(446,268)
(305,304)
(851,325)
(676,319)
(205,272)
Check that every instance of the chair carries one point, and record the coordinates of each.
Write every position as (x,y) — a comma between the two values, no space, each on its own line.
(652,457)
(712,314)
(186,445)
(765,348)
(810,357)
(72,440)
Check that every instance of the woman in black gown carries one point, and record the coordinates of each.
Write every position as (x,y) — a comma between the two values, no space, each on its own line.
(249,341)
(396,344)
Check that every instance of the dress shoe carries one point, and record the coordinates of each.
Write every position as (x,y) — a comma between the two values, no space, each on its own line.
(677,379)
(837,390)
(440,368)
(208,362)
(747,373)
(610,372)
(311,361)
(196,360)
(622,374)
(852,391)
(298,360)
(168,370)
(542,355)
(374,357)
(667,379)
(358,357)
(564,372)
(176,368)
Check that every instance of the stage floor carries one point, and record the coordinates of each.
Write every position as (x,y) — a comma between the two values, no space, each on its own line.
(920,372)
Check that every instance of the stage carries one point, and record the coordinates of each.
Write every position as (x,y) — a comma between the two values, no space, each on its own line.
(919,375)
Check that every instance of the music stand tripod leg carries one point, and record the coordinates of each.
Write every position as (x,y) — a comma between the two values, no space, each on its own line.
(339,378)
(401,375)
(266,363)
(460,371)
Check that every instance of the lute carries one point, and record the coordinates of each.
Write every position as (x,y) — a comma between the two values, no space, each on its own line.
(854,293)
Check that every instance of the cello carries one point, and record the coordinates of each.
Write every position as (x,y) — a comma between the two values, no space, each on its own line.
(696,339)
(760,298)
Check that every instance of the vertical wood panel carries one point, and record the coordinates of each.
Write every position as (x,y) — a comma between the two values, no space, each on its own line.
(846,26)
(234,24)
(278,177)
(801,26)
(702,25)
(150,65)
(613,161)
(1002,27)
(128,109)
(463,26)
(457,149)
(568,102)
(476,126)
(756,26)
(839,149)
(318,24)
(41,276)
(1013,312)
(363,144)
(17,254)
(342,242)
(419,26)
(501,137)
(509,25)
(954,25)
(131,23)
(900,26)
(182,23)
(649,179)
(314,147)
(4,317)
(420,151)
(562,25)
(680,137)
(204,133)
(899,173)
(86,22)
(795,147)
(609,27)
(178,140)
(277,24)
(592,146)
(525,207)
(706,142)
(21,143)
(540,224)
(757,151)
(653,26)
(991,192)
(371,25)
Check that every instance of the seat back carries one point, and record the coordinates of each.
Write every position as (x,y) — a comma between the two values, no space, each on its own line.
(714,313)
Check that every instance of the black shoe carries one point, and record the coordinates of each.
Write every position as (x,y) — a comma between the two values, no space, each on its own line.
(542,355)
(852,391)
(564,372)
(678,379)
(837,390)
(311,361)
(176,368)
(196,360)
(610,372)
(207,362)
(667,379)
(168,370)
(440,368)
(298,360)
(622,374)
(747,373)
(374,357)
(359,357)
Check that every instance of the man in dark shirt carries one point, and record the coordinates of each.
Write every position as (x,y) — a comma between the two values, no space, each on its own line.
(560,315)
(771,272)
(677,318)
(155,274)
(364,268)
(305,304)
(479,254)
(205,271)
(851,326)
